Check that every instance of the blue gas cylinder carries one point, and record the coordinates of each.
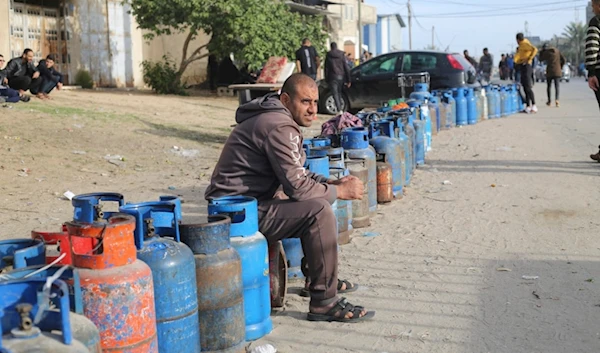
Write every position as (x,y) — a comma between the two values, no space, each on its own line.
(19,253)
(88,207)
(423,114)
(355,142)
(498,97)
(461,106)
(489,90)
(28,325)
(219,284)
(252,247)
(173,273)
(318,151)
(503,102)
(321,142)
(343,209)
(516,97)
(434,103)
(471,107)
(406,147)
(419,128)
(83,329)
(409,130)
(390,150)
(336,157)
(421,92)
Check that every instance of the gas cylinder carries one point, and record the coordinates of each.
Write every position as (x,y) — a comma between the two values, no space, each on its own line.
(360,208)
(409,130)
(479,102)
(173,274)
(406,145)
(471,106)
(461,106)
(450,109)
(252,247)
(116,287)
(498,101)
(385,192)
(422,114)
(419,134)
(88,208)
(174,200)
(516,97)
(307,144)
(321,142)
(318,151)
(336,157)
(219,284)
(484,104)
(278,274)
(503,102)
(421,92)
(343,210)
(58,244)
(389,150)
(434,112)
(18,253)
(355,142)
(27,324)
(491,99)
(83,329)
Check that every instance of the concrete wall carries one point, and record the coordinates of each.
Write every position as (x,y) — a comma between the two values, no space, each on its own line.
(5,29)
(347,26)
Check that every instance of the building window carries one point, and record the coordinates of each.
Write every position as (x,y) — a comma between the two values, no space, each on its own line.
(349,12)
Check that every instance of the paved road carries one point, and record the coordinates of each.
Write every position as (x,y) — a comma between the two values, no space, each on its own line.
(446,272)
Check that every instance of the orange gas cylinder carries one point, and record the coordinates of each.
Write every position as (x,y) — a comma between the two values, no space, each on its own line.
(385,191)
(117,289)
(59,243)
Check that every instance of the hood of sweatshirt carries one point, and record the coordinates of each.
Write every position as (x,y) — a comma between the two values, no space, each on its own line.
(269,103)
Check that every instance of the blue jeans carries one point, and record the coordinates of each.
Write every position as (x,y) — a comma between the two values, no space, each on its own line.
(46,86)
(10,95)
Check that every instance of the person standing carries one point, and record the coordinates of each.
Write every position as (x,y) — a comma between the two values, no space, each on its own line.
(470,58)
(50,78)
(554,63)
(22,74)
(307,59)
(486,63)
(503,67)
(337,74)
(510,62)
(592,57)
(524,58)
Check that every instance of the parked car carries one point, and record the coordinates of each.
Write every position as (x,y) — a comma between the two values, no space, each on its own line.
(540,73)
(376,80)
(566,73)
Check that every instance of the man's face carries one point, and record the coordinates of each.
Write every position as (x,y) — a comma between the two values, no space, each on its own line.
(303,104)
(596,7)
(466,53)
(485,52)
(2,61)
(49,63)
(28,57)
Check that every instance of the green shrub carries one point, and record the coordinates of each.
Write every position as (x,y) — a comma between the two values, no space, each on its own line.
(162,77)
(84,79)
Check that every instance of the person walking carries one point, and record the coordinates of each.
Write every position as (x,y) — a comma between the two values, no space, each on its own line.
(510,62)
(337,74)
(486,64)
(524,59)
(554,63)
(307,59)
(592,57)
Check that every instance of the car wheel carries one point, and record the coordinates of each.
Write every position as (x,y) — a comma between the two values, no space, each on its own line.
(328,104)
(568,81)
(537,80)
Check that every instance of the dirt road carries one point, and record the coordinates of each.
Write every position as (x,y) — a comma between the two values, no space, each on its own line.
(503,259)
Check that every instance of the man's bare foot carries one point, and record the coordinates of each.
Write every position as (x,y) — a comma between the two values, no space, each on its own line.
(340,310)
(21,92)
(40,96)
(47,96)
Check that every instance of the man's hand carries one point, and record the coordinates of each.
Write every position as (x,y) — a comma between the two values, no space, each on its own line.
(593,83)
(341,180)
(59,86)
(35,75)
(5,81)
(348,84)
(350,188)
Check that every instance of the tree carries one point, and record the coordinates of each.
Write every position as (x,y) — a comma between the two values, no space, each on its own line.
(575,34)
(253,30)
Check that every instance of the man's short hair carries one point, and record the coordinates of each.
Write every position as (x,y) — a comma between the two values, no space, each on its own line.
(520,36)
(465,51)
(26,51)
(333,45)
(50,57)
(305,40)
(290,86)
(485,49)
(1,56)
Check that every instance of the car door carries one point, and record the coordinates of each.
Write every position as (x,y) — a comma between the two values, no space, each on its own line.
(418,62)
(376,81)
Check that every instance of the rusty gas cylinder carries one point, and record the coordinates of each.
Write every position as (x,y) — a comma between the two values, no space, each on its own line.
(385,192)
(117,288)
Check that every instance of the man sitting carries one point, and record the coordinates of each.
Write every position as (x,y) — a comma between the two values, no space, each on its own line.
(22,74)
(8,94)
(263,154)
(50,78)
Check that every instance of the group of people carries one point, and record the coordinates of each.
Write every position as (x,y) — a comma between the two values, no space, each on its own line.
(21,75)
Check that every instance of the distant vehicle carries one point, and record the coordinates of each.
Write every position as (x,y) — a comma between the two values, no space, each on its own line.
(540,73)
(566,73)
(376,80)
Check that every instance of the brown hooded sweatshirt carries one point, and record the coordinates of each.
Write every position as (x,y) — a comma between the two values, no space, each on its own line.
(264,152)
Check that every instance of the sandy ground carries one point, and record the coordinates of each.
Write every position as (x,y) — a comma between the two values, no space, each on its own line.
(445,274)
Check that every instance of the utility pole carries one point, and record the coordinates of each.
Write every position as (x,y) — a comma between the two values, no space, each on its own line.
(432,37)
(409,25)
(360,29)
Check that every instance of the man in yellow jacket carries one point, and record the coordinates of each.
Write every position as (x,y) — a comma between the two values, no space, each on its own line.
(523,59)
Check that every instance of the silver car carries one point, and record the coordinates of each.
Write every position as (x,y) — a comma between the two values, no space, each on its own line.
(566,73)
(540,73)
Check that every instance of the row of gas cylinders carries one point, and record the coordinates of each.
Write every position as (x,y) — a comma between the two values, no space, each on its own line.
(139,280)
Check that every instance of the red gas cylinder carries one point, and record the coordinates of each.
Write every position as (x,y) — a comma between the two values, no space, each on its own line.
(59,243)
(385,192)
(117,289)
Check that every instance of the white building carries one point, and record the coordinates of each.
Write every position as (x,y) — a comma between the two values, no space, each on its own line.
(385,36)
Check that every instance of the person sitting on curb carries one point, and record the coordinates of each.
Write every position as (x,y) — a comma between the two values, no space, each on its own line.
(50,78)
(7,94)
(22,74)
(263,154)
